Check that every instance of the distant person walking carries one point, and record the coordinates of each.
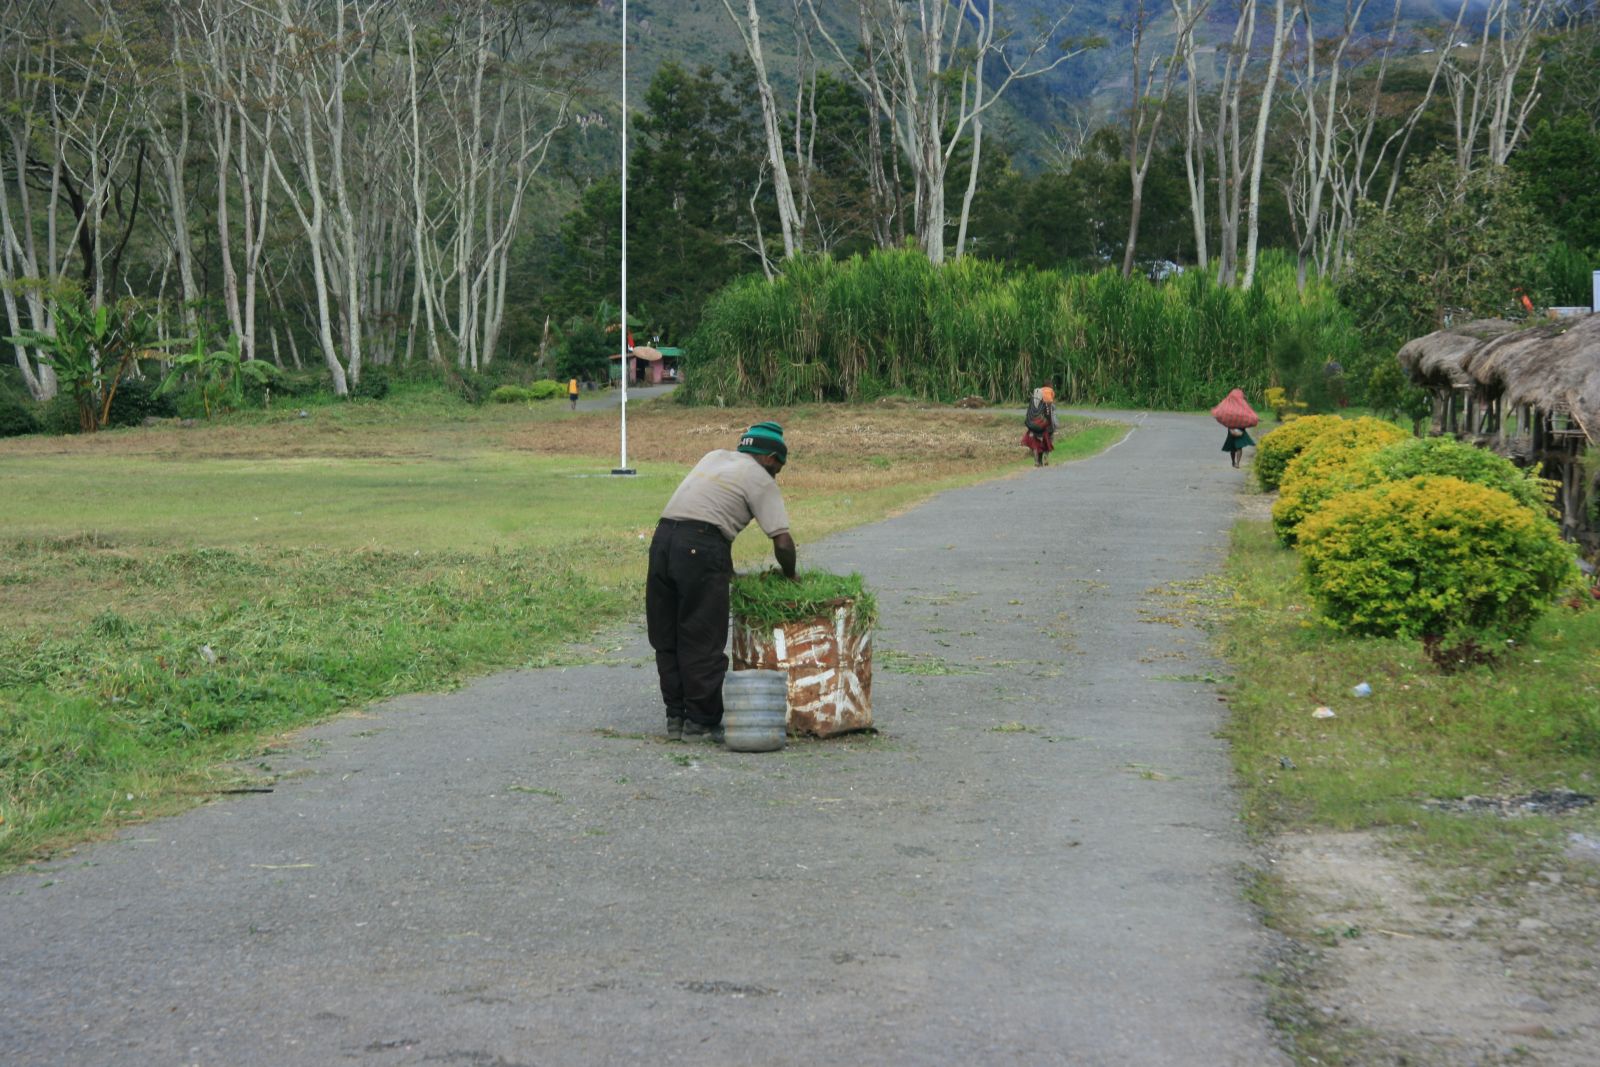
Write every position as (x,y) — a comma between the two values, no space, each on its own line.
(691,564)
(1039,437)
(1237,416)
(572,392)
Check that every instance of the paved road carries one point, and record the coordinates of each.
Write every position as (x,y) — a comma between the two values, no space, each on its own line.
(1037,861)
(603,399)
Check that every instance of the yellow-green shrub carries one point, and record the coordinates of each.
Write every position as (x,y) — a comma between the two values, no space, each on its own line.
(1283,444)
(509,394)
(1326,466)
(1445,456)
(1432,556)
(1282,406)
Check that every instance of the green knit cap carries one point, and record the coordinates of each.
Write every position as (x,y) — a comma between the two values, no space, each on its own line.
(765,439)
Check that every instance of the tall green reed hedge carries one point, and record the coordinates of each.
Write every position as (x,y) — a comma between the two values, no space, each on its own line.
(892,322)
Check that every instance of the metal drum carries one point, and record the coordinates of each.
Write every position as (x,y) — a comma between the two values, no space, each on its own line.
(755,710)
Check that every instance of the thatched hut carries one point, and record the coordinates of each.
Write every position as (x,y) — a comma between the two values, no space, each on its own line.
(1435,362)
(1552,369)
(1531,394)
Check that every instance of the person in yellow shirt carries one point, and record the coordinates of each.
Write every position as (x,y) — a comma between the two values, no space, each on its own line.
(572,392)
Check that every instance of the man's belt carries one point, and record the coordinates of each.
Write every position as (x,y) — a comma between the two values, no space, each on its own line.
(694,525)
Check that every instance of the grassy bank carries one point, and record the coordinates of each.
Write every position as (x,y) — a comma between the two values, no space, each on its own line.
(174,596)
(1529,721)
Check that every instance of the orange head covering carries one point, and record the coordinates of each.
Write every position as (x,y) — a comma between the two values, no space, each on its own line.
(1048,394)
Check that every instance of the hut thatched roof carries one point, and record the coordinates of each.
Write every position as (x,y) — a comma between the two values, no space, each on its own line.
(1553,367)
(1435,359)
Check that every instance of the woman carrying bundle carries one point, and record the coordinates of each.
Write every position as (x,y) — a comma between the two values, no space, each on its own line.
(1237,416)
(1040,435)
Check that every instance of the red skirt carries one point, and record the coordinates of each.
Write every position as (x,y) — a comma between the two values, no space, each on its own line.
(1040,443)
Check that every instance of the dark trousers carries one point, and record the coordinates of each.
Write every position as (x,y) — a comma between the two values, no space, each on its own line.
(686,611)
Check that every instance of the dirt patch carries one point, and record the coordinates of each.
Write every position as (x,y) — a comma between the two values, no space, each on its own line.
(837,448)
(1257,506)
(1409,973)
(1538,802)
(673,433)
(274,438)
(825,441)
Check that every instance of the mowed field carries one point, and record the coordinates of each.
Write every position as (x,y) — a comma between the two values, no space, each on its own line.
(174,597)
(505,477)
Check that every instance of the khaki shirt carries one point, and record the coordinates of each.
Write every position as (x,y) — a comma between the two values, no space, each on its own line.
(728,489)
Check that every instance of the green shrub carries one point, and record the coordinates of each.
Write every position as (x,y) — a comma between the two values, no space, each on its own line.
(1392,393)
(1445,456)
(472,386)
(1278,447)
(1325,468)
(12,381)
(299,383)
(59,415)
(16,415)
(374,384)
(546,390)
(1314,382)
(510,394)
(1570,271)
(137,399)
(1433,556)
(585,351)
(191,403)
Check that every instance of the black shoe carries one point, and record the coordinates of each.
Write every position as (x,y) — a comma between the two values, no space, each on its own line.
(694,731)
(674,728)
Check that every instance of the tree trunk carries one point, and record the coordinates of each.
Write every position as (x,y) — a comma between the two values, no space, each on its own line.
(788,216)
(1230,164)
(972,183)
(1194,160)
(314,222)
(1280,29)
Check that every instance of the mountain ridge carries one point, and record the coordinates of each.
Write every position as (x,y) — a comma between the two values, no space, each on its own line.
(1088,90)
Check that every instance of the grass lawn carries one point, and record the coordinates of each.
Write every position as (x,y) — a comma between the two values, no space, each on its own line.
(176,595)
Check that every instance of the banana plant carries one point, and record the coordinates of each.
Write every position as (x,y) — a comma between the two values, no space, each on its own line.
(91,349)
(220,373)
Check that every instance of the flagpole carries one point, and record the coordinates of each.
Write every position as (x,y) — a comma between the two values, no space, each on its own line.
(623,469)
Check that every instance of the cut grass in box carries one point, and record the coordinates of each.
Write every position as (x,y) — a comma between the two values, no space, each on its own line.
(768,600)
